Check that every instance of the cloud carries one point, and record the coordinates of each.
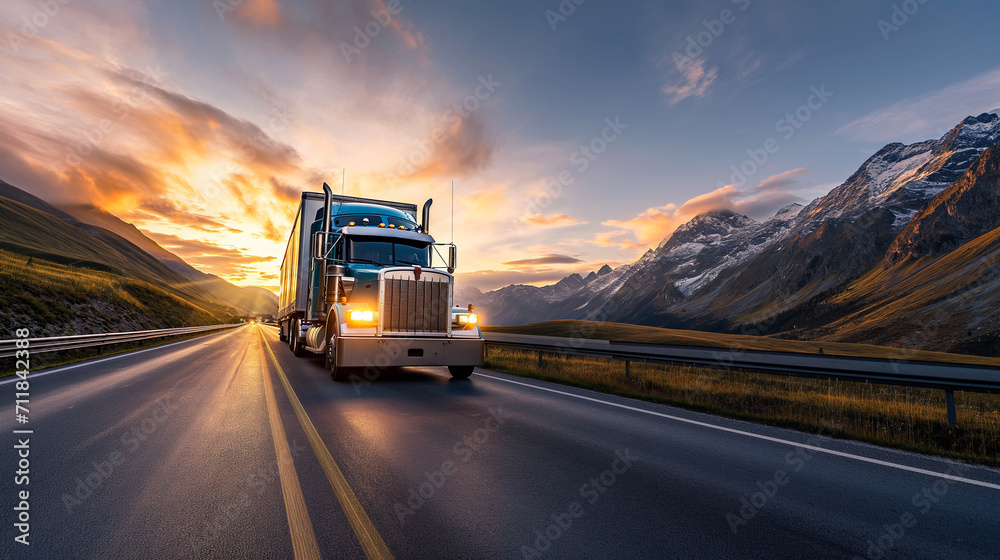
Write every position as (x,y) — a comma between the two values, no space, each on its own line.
(929,115)
(284,191)
(405,29)
(551,220)
(546,259)
(693,81)
(757,202)
(228,262)
(642,231)
(457,146)
(266,13)
(655,224)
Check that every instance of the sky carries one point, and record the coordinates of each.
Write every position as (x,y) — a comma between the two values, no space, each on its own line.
(577,133)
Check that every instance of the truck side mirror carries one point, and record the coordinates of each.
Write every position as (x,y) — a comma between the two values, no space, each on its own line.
(452,259)
(317,246)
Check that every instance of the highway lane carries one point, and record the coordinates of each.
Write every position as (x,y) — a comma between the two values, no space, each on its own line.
(495,466)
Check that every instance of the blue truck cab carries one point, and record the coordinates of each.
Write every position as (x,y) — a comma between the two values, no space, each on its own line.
(365,285)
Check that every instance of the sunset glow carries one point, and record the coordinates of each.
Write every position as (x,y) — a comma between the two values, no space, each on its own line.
(202,122)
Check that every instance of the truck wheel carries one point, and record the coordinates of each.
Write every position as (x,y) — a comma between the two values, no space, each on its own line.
(338,374)
(281,333)
(461,372)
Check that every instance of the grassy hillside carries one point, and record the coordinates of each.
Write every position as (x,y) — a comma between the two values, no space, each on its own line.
(621,332)
(56,299)
(31,232)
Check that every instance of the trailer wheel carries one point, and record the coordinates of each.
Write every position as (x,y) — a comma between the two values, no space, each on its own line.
(281,333)
(297,347)
(461,372)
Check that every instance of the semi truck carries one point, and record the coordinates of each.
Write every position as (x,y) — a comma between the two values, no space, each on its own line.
(365,285)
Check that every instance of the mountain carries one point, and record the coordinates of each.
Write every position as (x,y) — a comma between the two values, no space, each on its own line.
(956,216)
(938,284)
(843,234)
(93,216)
(911,215)
(90,237)
(17,195)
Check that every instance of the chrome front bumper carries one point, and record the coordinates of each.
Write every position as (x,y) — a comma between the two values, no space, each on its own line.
(381,352)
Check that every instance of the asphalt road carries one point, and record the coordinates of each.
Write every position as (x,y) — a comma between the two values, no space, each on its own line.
(176,452)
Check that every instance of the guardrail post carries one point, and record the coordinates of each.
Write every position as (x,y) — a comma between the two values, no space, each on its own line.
(949,398)
(627,373)
(539,359)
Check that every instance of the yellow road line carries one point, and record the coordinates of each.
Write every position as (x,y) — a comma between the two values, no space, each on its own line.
(371,541)
(304,542)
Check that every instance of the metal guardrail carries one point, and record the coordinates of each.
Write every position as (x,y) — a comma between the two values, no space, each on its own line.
(8,348)
(945,376)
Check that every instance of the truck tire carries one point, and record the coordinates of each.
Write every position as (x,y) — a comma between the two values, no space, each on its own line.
(338,374)
(461,372)
(297,347)
(281,333)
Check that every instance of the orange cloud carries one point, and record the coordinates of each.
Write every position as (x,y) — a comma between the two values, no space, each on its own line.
(551,220)
(262,12)
(405,29)
(656,224)
(228,262)
(457,146)
(646,229)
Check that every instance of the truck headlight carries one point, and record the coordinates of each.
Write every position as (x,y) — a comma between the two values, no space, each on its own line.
(358,316)
(467,319)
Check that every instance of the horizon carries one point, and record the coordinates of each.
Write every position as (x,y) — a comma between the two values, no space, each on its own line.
(204,144)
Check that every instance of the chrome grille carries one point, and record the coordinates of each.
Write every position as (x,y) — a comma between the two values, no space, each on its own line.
(411,306)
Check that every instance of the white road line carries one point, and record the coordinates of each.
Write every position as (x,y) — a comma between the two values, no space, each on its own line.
(758,436)
(43,373)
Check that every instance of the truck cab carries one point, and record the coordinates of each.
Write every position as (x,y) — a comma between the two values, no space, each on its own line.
(379,290)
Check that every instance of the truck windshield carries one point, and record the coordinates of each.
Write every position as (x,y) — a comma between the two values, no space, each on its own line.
(388,253)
